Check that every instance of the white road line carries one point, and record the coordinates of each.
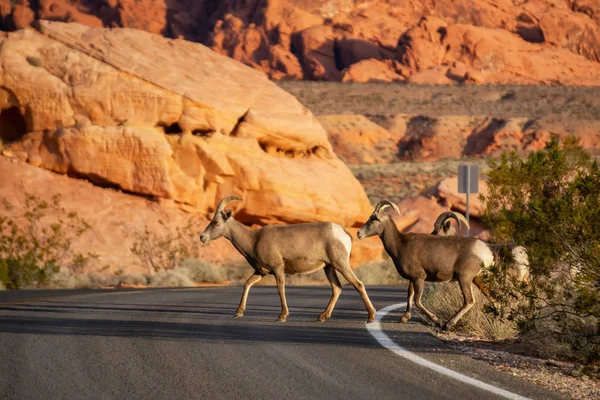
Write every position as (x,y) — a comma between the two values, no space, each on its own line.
(375,330)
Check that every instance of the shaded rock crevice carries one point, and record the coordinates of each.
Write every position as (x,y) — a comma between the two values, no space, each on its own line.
(12,125)
(483,136)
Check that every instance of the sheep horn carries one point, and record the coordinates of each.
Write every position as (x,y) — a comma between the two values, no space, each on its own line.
(443,217)
(383,204)
(223,202)
(463,219)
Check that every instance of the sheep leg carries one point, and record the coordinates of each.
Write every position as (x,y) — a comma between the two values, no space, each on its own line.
(467,290)
(346,271)
(280,278)
(419,284)
(336,289)
(409,303)
(249,283)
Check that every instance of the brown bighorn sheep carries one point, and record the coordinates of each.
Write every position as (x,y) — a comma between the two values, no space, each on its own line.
(422,257)
(520,260)
(289,249)
(443,227)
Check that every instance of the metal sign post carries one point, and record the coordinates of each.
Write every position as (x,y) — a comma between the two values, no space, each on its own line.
(468,182)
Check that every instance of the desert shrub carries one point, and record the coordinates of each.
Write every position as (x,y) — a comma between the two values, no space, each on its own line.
(132,279)
(314,278)
(166,250)
(98,280)
(378,273)
(67,279)
(549,203)
(36,241)
(170,278)
(444,300)
(237,273)
(189,273)
(203,271)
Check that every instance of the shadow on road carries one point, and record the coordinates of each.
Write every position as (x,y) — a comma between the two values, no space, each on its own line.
(187,331)
(218,333)
(221,331)
(211,321)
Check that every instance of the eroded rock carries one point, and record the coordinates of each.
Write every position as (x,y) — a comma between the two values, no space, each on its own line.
(171,119)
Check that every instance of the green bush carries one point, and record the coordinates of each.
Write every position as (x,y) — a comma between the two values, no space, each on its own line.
(549,203)
(36,240)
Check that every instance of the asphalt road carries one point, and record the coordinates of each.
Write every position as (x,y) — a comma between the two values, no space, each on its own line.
(184,343)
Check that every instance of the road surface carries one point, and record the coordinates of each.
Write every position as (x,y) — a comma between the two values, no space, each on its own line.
(184,343)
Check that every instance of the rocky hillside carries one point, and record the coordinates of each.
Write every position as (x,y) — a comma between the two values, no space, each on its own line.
(445,42)
(379,123)
(404,142)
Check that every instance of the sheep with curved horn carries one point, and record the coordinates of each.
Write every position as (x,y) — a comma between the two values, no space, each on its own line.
(519,267)
(289,249)
(423,257)
(443,227)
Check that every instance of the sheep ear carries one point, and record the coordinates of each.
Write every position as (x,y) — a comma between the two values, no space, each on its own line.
(226,214)
(447,226)
(381,214)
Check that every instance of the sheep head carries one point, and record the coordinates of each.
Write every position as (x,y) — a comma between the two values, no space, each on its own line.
(374,225)
(219,225)
(442,224)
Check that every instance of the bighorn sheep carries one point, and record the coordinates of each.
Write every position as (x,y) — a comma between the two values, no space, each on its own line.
(520,261)
(443,227)
(422,257)
(291,249)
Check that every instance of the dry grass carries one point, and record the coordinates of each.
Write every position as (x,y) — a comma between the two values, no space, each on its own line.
(66,279)
(190,273)
(499,101)
(203,271)
(171,278)
(378,273)
(444,299)
(575,344)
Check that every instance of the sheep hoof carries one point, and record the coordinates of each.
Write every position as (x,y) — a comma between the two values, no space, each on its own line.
(371,316)
(448,327)
(322,318)
(238,315)
(405,318)
(282,318)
